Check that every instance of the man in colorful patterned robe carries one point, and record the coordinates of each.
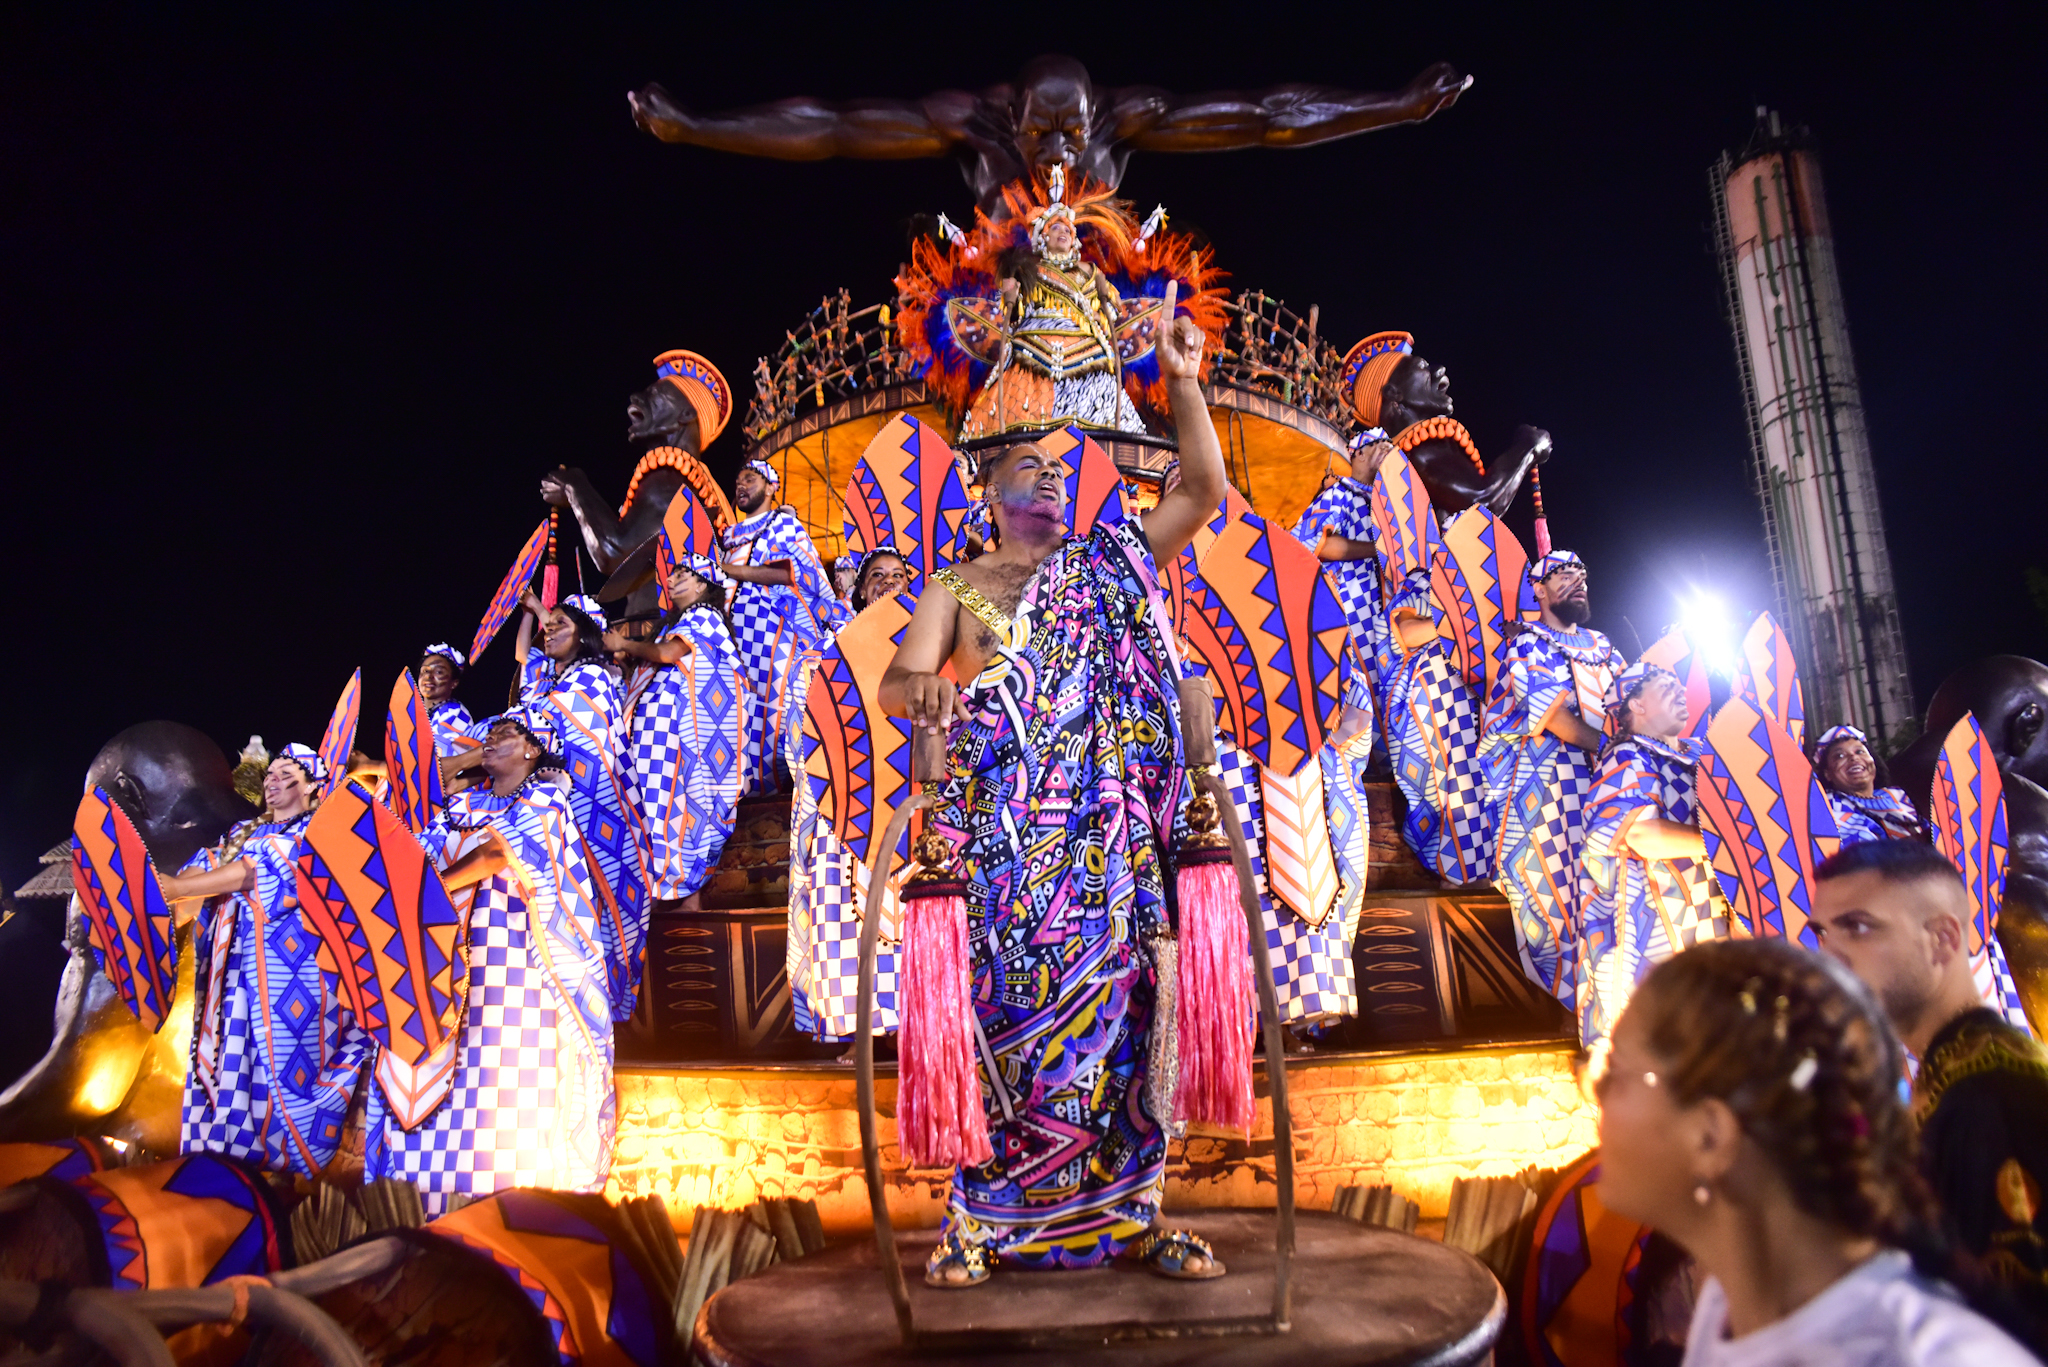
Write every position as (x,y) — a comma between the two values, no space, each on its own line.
(782,606)
(1542,728)
(1066,768)
(1646,890)
(272,1065)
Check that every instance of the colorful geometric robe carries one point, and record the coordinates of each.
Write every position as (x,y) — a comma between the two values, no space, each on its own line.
(1539,785)
(272,1065)
(454,729)
(1062,790)
(532,1102)
(1635,913)
(773,624)
(590,716)
(1887,814)
(686,744)
(1433,742)
(1345,509)
(827,899)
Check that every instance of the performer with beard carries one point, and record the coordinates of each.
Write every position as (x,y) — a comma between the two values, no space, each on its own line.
(1542,728)
(1645,889)
(1066,766)
(783,606)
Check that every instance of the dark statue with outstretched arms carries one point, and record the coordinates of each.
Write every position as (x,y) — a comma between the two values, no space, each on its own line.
(1053,115)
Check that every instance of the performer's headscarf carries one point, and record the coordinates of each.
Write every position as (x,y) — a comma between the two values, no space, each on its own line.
(448,653)
(307,758)
(1371,436)
(1540,570)
(765,471)
(1626,682)
(1835,733)
(539,725)
(587,605)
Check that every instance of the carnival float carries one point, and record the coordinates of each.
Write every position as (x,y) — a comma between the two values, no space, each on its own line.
(764,1193)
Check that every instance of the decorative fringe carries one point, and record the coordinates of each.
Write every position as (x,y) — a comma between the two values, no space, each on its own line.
(939,1117)
(1215,994)
(1542,522)
(551,574)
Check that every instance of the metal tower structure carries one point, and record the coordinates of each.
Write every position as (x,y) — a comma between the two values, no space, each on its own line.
(1822,525)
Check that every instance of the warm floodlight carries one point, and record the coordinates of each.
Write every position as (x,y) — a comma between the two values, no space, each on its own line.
(1704,620)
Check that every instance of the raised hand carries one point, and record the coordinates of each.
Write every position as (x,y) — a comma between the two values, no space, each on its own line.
(1180,342)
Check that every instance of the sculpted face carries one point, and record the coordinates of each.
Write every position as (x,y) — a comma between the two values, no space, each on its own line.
(660,410)
(2009,696)
(175,785)
(1414,392)
(1055,109)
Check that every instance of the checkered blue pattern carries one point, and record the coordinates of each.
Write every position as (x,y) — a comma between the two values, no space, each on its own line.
(685,754)
(1313,977)
(1433,738)
(838,894)
(528,1095)
(772,626)
(1542,825)
(1996,984)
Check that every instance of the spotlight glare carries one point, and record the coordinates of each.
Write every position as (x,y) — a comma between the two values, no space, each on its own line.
(1704,621)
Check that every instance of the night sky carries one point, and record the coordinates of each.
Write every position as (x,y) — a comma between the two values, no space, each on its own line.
(297,308)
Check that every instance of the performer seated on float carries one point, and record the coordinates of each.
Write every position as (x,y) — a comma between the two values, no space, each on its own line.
(1066,767)
(271,1074)
(570,678)
(440,673)
(531,1104)
(685,734)
(1646,890)
(825,881)
(1543,728)
(1864,809)
(782,606)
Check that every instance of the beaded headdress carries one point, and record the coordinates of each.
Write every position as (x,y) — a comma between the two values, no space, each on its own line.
(703,386)
(1627,681)
(1058,208)
(587,605)
(1542,568)
(1366,368)
(537,722)
(449,653)
(307,758)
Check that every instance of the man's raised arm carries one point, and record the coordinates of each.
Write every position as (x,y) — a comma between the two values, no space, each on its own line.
(913,688)
(1285,116)
(1181,513)
(804,129)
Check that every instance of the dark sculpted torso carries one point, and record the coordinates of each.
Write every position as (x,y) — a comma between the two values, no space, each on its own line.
(1053,115)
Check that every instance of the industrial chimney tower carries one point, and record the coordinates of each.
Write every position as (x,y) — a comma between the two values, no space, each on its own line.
(1822,526)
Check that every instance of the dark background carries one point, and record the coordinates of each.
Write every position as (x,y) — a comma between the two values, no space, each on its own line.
(297,308)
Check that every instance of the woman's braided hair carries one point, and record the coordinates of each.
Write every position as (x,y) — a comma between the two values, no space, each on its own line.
(1798,1049)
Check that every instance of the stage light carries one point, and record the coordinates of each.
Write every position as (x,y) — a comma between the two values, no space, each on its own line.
(1705,623)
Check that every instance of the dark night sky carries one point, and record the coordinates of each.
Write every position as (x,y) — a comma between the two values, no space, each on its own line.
(297,308)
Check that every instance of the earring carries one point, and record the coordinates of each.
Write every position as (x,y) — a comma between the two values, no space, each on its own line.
(1702,1194)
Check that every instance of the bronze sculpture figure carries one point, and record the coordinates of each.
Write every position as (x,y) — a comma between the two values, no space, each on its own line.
(1053,115)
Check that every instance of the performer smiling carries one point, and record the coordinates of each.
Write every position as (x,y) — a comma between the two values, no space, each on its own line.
(783,606)
(1542,729)
(1645,890)
(1065,770)
(1863,809)
(455,731)
(272,1067)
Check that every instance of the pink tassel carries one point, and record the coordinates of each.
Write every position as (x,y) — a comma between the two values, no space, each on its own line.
(550,585)
(1215,997)
(939,1118)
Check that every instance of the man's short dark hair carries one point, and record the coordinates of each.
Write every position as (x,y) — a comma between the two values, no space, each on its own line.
(1895,861)
(997,455)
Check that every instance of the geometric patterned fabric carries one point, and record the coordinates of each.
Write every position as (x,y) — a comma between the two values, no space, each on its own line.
(687,747)
(1635,913)
(590,717)
(530,1102)
(185,1222)
(1433,735)
(773,625)
(1969,827)
(506,598)
(1538,783)
(567,1254)
(272,1067)
(126,917)
(1766,820)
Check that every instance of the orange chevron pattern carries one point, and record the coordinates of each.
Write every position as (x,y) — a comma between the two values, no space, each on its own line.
(1301,868)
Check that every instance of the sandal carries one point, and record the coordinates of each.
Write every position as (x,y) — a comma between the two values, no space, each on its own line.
(1166,1252)
(955,1252)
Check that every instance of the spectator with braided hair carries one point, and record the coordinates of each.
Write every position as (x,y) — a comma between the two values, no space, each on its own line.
(1896,912)
(1750,1111)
